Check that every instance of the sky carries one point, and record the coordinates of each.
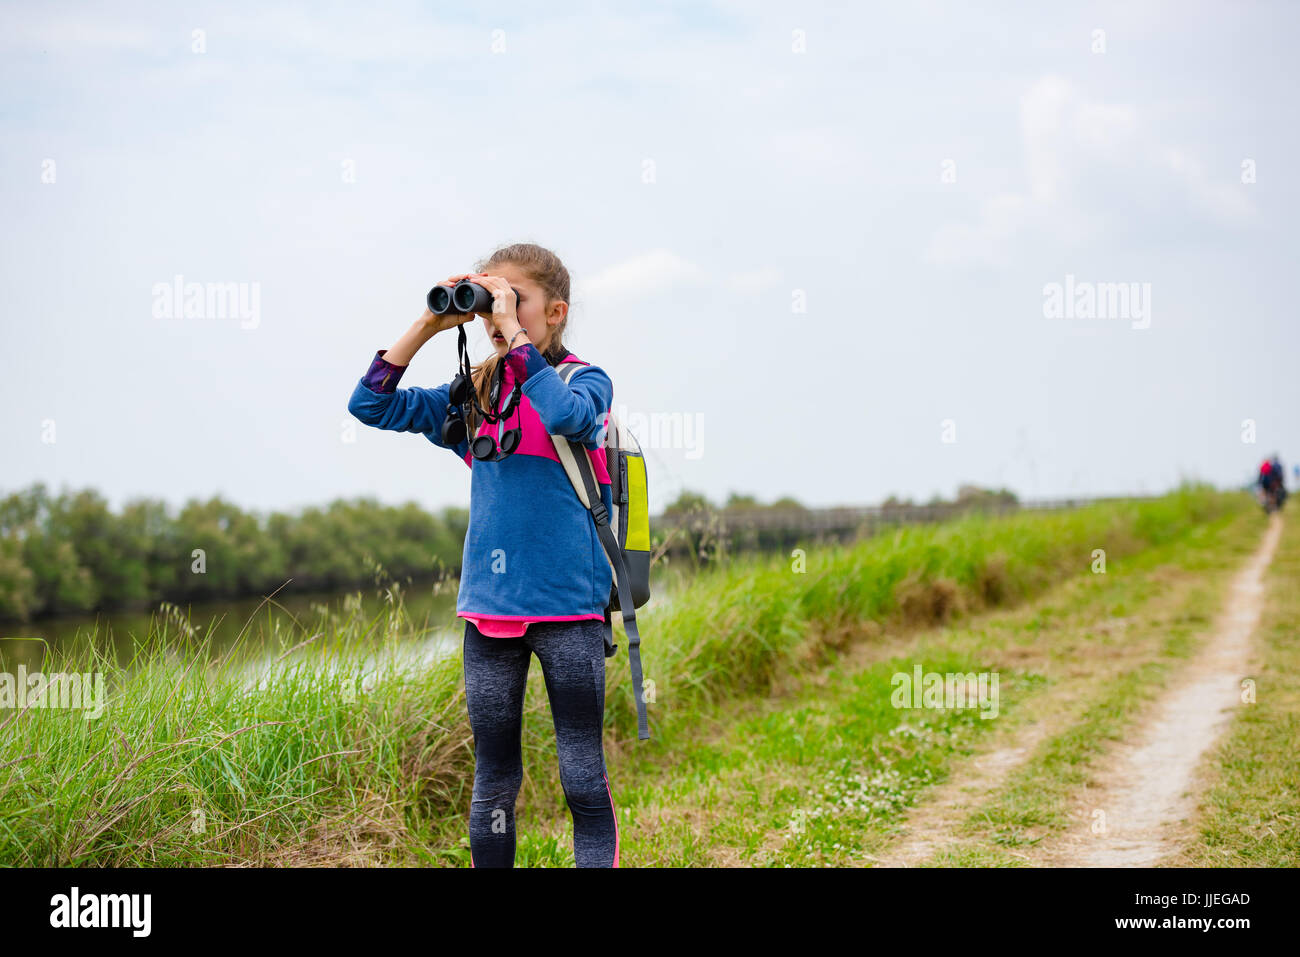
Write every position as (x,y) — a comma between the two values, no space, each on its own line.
(829,251)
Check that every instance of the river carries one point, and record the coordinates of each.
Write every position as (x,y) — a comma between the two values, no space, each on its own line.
(263,627)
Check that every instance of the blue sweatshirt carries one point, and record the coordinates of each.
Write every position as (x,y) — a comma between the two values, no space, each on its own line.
(531,550)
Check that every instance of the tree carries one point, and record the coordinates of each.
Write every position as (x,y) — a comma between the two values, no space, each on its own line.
(61,584)
(973,496)
(18,596)
(688,502)
(114,560)
(788,502)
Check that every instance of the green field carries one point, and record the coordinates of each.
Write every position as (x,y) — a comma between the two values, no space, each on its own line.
(774,741)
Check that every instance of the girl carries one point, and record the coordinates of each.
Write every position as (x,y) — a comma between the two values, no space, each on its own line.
(534,577)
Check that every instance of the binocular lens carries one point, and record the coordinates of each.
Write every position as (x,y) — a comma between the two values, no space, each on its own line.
(439,300)
(471,297)
(453,432)
(510,441)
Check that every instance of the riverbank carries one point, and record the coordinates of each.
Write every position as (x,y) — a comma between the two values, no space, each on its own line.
(329,766)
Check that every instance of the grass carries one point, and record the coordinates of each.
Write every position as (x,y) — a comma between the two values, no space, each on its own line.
(825,776)
(336,759)
(1034,802)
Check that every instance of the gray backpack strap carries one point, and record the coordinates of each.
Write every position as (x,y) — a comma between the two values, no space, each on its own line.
(577,464)
(571,455)
(623,584)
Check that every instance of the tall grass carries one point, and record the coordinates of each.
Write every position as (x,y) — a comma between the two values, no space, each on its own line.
(739,628)
(345,751)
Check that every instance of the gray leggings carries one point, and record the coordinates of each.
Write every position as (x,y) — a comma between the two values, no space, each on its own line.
(572,654)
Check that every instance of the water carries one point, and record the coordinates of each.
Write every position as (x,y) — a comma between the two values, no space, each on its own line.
(269,627)
(216,626)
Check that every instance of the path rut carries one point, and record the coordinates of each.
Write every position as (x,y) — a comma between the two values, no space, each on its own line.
(1146,789)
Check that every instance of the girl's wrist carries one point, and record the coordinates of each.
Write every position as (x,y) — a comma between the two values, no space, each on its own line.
(425,329)
(404,349)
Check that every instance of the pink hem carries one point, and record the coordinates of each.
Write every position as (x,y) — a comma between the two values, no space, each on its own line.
(514,626)
(475,616)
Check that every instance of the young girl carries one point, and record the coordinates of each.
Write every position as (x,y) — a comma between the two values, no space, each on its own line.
(534,576)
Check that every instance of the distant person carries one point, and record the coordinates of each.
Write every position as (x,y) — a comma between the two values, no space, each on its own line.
(1270,482)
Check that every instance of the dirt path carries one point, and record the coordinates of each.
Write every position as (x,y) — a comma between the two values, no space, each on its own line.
(934,825)
(931,826)
(1145,789)
(1145,785)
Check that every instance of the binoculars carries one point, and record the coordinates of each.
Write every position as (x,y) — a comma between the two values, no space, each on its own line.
(483,447)
(464,296)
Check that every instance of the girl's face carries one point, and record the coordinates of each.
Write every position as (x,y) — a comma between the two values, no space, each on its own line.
(530,309)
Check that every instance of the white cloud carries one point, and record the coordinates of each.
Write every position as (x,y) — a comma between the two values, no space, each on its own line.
(647,273)
(1085,162)
(661,269)
(1226,199)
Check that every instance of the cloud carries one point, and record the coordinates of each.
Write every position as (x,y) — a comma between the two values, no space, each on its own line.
(647,273)
(1087,165)
(662,269)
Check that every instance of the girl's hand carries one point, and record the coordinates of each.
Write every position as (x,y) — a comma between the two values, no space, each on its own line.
(504,301)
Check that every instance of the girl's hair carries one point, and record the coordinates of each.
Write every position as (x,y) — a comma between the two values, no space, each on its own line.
(544,268)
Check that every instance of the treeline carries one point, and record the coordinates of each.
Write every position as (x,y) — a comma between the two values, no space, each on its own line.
(703,532)
(968,496)
(70,553)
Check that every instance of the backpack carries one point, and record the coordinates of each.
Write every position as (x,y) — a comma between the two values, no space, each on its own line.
(625,535)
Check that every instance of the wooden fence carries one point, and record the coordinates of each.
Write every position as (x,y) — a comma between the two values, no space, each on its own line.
(749,528)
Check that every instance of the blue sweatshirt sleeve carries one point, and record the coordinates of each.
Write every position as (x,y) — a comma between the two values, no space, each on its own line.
(577,409)
(377,401)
